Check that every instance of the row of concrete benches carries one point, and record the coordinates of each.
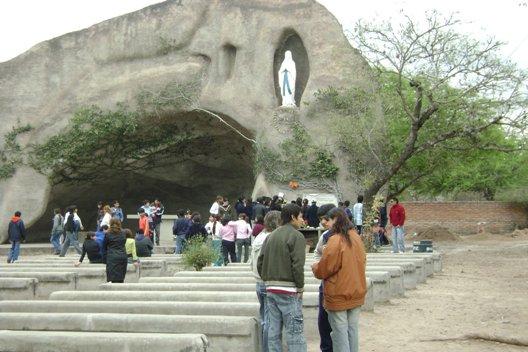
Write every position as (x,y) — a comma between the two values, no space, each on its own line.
(219,302)
(55,274)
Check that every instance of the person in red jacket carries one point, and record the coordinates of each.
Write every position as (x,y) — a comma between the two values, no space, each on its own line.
(397,219)
(144,224)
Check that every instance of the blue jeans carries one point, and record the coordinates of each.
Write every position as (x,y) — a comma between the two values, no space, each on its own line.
(323,325)
(398,244)
(376,236)
(284,309)
(14,251)
(217,246)
(345,333)
(71,239)
(242,243)
(261,295)
(179,244)
(55,241)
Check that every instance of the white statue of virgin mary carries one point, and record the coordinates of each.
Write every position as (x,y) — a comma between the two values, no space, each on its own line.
(287,75)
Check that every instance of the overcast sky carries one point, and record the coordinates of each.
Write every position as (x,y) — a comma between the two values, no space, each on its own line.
(24,23)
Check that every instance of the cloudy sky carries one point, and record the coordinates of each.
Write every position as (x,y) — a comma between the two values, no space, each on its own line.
(24,23)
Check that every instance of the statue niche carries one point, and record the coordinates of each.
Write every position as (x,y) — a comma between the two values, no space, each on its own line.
(291,69)
(287,76)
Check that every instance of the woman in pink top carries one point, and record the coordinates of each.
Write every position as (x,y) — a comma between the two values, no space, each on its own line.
(243,237)
(228,234)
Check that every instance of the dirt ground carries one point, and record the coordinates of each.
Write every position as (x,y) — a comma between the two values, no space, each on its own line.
(481,296)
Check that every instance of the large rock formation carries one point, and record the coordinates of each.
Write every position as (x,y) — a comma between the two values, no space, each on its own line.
(234,45)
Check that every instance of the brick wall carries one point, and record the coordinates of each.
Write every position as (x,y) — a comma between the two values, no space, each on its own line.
(464,217)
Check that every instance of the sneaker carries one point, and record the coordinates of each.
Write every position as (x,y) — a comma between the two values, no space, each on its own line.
(8,261)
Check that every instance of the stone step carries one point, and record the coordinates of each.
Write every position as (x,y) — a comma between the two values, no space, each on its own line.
(310,299)
(163,286)
(149,267)
(250,309)
(86,278)
(47,282)
(224,333)
(67,341)
(18,288)
(437,257)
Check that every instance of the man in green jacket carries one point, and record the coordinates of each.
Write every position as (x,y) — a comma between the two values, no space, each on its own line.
(281,267)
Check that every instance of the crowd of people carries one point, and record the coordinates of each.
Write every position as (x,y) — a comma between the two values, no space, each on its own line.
(269,228)
(278,258)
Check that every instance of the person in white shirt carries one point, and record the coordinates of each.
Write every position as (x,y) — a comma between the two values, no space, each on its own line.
(213,228)
(357,211)
(106,217)
(243,234)
(215,208)
(72,225)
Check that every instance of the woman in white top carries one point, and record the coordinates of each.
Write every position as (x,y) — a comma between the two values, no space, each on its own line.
(215,208)
(107,216)
(213,228)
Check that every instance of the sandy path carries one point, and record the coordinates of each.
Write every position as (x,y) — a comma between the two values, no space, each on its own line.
(483,290)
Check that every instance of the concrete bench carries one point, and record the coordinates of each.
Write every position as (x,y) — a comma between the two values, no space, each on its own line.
(149,267)
(396,282)
(380,285)
(435,256)
(217,287)
(18,288)
(89,276)
(249,309)
(152,267)
(410,275)
(47,282)
(396,273)
(310,299)
(419,265)
(224,333)
(66,341)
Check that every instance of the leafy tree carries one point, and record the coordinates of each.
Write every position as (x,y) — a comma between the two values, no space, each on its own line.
(442,93)
(158,131)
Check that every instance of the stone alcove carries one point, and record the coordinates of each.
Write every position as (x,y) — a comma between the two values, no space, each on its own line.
(220,162)
(291,41)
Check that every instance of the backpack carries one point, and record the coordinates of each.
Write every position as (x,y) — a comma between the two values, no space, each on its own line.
(70,224)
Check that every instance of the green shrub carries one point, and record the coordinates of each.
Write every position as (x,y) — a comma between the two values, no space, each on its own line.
(199,253)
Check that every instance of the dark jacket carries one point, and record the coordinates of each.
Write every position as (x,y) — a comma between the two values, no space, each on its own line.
(383,216)
(196,229)
(248,210)
(16,230)
(91,247)
(115,256)
(144,246)
(282,257)
(313,220)
(259,210)
(181,226)
(158,214)
(239,208)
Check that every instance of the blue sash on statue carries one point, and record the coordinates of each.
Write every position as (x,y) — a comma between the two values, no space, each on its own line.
(286,83)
